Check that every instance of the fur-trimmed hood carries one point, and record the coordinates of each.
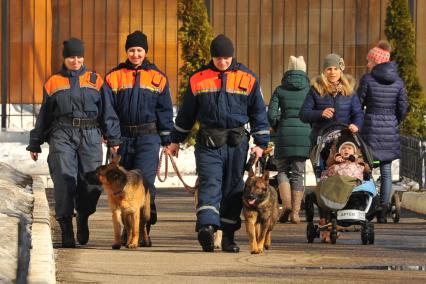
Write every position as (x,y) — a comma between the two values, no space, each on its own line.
(316,81)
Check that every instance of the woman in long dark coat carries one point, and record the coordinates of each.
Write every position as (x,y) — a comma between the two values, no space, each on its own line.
(382,93)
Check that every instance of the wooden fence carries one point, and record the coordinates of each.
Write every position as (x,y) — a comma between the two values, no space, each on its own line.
(265,33)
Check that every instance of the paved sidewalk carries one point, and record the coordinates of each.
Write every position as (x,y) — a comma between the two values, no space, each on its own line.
(176,256)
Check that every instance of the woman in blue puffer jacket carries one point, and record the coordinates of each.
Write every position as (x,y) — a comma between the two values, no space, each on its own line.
(331,99)
(382,93)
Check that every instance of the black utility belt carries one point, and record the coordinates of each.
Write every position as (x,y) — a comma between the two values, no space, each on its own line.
(217,137)
(78,122)
(139,130)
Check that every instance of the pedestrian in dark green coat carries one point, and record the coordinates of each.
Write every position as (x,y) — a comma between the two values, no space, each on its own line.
(292,142)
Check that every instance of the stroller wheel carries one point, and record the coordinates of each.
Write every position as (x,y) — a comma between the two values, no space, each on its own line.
(370,233)
(309,207)
(365,234)
(396,208)
(333,233)
(311,232)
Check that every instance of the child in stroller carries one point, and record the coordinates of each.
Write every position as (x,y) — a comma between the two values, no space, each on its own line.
(345,191)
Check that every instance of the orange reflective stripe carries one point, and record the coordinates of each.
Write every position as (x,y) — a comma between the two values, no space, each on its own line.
(152,80)
(205,81)
(244,82)
(239,82)
(86,83)
(120,79)
(156,81)
(56,83)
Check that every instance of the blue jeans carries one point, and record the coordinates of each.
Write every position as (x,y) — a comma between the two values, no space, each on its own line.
(385,182)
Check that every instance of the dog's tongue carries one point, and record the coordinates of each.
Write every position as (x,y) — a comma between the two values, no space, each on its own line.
(252,201)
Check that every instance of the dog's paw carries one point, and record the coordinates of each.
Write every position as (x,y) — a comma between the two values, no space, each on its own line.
(132,246)
(255,251)
(144,243)
(116,246)
(218,239)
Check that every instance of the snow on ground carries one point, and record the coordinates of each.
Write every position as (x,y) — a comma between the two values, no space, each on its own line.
(13,144)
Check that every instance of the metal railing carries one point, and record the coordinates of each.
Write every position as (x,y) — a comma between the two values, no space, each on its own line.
(413,159)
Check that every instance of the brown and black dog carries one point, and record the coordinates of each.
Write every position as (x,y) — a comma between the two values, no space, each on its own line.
(260,209)
(129,201)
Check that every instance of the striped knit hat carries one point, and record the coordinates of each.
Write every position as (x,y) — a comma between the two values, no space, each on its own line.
(380,53)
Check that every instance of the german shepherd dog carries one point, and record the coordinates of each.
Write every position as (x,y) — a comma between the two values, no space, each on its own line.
(129,201)
(260,209)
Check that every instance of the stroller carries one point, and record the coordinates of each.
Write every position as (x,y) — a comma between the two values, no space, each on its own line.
(356,207)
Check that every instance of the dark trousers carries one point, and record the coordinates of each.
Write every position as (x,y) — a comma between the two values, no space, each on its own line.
(142,153)
(74,152)
(220,173)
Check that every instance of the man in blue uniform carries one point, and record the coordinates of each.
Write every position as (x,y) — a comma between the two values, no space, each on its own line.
(73,117)
(223,96)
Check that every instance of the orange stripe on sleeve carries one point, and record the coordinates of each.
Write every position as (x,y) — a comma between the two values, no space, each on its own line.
(152,80)
(86,82)
(56,83)
(120,79)
(240,82)
(205,81)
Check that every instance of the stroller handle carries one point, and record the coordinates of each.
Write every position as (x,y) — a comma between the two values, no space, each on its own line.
(331,126)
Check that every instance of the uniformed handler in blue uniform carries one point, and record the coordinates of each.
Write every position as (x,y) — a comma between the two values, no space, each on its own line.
(74,115)
(223,96)
(142,101)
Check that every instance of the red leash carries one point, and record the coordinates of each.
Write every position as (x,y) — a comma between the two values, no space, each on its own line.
(190,189)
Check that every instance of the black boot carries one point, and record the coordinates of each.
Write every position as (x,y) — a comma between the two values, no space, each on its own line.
(228,243)
(382,214)
(67,232)
(82,229)
(206,238)
(284,216)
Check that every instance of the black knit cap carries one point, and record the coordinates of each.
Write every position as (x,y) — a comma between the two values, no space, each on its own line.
(221,46)
(137,38)
(73,47)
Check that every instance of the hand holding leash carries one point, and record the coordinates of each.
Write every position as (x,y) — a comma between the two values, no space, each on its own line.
(257,151)
(34,156)
(172,149)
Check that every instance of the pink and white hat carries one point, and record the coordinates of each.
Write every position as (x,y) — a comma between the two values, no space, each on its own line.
(378,55)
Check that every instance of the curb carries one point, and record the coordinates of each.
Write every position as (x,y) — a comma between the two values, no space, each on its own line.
(414,201)
(42,260)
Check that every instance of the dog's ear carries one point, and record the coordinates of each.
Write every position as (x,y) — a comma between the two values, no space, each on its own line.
(115,159)
(266,176)
(251,172)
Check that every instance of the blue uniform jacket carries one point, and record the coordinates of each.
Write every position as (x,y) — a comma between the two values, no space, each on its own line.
(382,93)
(226,100)
(347,110)
(140,96)
(78,94)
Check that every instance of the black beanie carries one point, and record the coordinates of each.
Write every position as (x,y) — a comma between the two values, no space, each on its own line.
(137,38)
(73,47)
(221,46)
